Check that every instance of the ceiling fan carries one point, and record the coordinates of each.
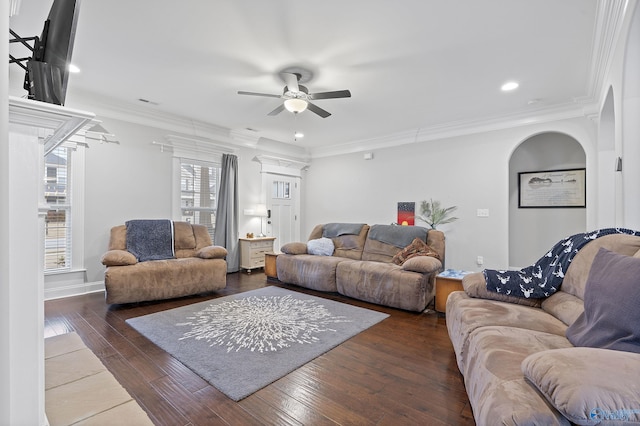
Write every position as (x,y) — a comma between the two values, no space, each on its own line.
(297,97)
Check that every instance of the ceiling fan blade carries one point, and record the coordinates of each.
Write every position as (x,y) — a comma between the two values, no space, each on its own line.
(291,80)
(266,95)
(277,110)
(330,95)
(314,108)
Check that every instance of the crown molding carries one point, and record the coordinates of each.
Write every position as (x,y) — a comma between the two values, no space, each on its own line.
(14,7)
(460,128)
(607,29)
(145,116)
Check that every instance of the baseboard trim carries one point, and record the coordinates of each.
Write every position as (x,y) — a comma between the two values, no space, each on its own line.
(73,290)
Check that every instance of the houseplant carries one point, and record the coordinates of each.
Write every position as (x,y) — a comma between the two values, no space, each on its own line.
(433,214)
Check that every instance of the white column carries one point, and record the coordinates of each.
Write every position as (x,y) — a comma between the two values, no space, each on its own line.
(22,250)
(26,278)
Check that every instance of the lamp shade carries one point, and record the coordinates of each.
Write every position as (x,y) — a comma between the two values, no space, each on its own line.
(295,105)
(261,210)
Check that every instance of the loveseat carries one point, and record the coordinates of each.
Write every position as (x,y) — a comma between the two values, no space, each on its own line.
(570,358)
(190,264)
(383,264)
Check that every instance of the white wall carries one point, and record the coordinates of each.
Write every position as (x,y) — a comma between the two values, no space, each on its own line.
(133,180)
(471,172)
(630,129)
(5,248)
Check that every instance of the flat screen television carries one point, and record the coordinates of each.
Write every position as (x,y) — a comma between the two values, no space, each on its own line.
(47,72)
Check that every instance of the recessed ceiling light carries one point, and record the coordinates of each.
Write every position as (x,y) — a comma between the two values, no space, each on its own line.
(511,85)
(298,135)
(74,69)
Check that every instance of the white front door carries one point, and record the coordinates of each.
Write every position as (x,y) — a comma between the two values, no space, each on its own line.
(283,204)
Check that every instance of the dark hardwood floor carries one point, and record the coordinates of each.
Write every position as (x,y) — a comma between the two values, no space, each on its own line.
(400,371)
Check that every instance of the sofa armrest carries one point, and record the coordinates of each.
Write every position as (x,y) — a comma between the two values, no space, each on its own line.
(294,248)
(422,264)
(475,285)
(587,385)
(118,258)
(212,252)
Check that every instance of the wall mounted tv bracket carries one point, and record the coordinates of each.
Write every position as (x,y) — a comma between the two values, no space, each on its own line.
(36,50)
(42,81)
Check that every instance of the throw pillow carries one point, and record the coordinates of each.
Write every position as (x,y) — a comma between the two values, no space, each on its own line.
(118,258)
(321,247)
(588,386)
(417,248)
(611,318)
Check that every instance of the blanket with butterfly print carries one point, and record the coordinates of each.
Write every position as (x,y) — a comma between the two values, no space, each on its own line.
(544,277)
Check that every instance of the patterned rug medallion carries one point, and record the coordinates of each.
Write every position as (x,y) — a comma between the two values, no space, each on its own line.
(242,343)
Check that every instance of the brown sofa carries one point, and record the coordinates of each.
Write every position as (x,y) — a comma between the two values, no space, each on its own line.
(361,265)
(198,267)
(519,366)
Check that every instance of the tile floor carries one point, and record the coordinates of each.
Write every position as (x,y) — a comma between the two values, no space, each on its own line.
(80,391)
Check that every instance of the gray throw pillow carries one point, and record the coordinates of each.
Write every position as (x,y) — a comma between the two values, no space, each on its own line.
(611,318)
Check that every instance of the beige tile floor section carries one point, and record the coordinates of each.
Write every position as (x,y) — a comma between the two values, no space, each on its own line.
(79,390)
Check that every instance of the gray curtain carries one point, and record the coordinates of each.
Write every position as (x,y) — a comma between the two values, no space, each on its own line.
(226,233)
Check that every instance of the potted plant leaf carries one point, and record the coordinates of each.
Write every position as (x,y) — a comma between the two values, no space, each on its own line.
(433,214)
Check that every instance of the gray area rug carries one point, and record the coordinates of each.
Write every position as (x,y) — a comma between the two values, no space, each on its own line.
(242,343)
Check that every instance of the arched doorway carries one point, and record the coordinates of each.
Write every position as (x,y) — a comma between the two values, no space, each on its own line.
(533,231)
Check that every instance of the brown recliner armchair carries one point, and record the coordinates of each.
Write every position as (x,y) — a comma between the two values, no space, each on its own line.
(198,267)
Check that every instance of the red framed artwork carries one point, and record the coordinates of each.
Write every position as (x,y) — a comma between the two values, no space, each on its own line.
(406,213)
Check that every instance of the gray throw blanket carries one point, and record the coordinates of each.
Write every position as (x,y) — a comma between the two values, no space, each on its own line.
(544,277)
(150,239)
(332,230)
(399,236)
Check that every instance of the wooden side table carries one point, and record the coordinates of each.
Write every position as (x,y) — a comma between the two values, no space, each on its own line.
(270,266)
(253,250)
(447,282)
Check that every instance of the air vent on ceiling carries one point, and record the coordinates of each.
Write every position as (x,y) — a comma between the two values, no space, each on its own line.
(147,101)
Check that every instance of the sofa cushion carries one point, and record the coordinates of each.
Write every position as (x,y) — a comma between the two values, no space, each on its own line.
(118,258)
(588,385)
(564,306)
(118,238)
(306,270)
(497,389)
(183,236)
(384,284)
(164,279)
(577,273)
(378,251)
(321,247)
(611,318)
(417,248)
(349,246)
(294,248)
(466,314)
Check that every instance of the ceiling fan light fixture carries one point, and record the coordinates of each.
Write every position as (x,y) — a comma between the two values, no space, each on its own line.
(295,105)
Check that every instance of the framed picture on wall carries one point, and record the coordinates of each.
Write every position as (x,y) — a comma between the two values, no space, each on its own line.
(406,213)
(552,189)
